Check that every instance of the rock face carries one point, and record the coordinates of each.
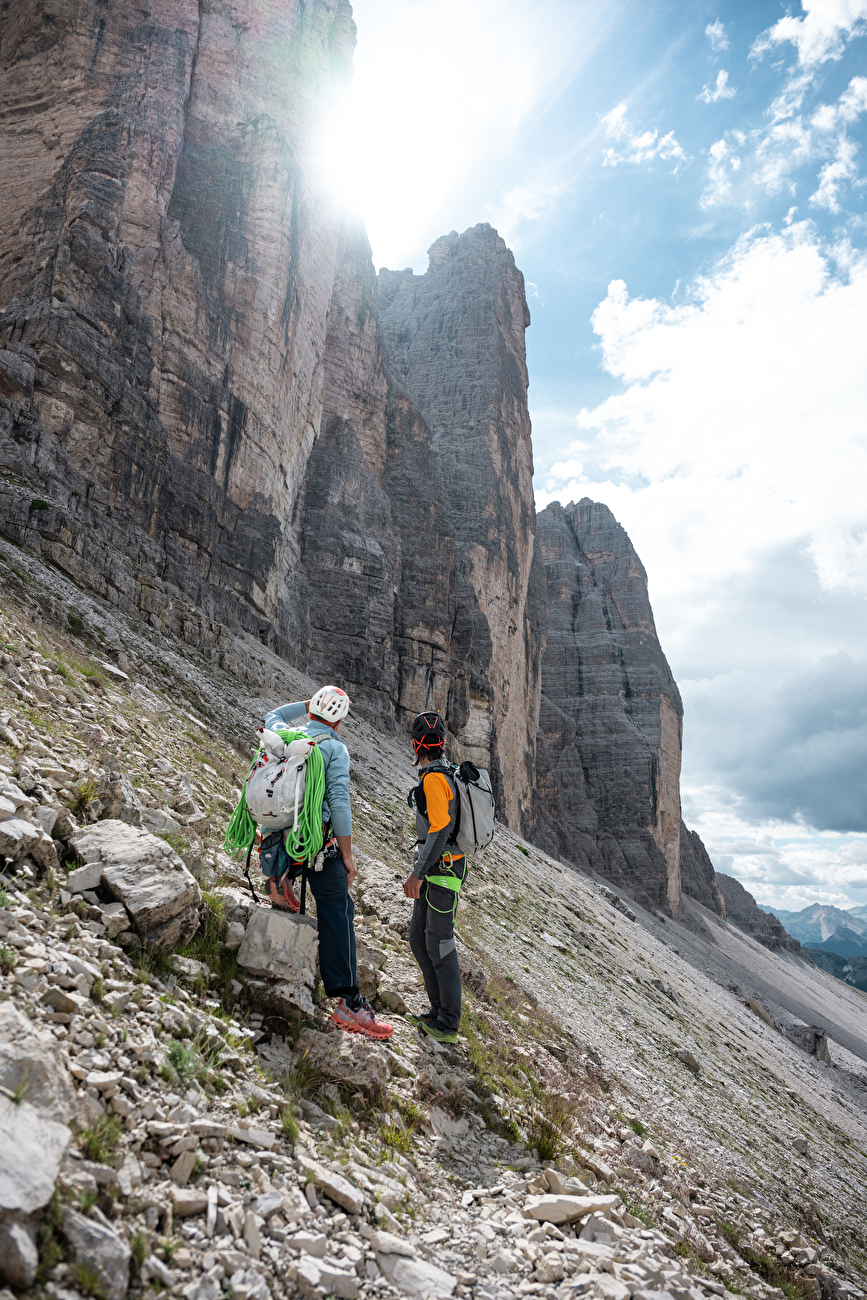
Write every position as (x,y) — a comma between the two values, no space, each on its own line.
(199,418)
(743,911)
(165,269)
(608,758)
(456,335)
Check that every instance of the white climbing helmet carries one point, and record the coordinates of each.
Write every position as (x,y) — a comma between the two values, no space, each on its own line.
(330,703)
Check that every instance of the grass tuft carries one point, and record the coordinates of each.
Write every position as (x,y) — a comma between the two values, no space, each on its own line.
(99,1143)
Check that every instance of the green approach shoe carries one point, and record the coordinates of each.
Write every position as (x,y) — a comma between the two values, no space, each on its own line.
(441,1035)
(418,1021)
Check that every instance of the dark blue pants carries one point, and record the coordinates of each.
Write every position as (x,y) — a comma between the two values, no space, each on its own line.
(335,913)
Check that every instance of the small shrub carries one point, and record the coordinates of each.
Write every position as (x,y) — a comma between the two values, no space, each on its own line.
(99,1143)
(76,623)
(97,989)
(549,1125)
(88,1278)
(140,1248)
(83,793)
(8,959)
(289,1123)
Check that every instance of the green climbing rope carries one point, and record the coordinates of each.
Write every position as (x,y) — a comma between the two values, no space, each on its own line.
(304,841)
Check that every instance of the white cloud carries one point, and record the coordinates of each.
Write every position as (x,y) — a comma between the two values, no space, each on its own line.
(725,408)
(722,90)
(716,34)
(822,33)
(842,168)
(723,164)
(635,147)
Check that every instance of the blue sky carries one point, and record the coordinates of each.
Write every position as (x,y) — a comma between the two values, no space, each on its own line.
(684,189)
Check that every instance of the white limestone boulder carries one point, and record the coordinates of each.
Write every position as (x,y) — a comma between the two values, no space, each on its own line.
(31,1062)
(147,876)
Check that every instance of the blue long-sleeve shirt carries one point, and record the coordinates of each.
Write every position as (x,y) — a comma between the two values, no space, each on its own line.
(335,757)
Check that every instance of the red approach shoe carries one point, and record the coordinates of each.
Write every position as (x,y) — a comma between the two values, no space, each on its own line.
(282,896)
(362,1021)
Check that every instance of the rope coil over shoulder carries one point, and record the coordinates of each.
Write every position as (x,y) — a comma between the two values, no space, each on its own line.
(304,840)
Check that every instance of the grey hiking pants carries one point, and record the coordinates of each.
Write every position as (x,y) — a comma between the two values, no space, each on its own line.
(432,940)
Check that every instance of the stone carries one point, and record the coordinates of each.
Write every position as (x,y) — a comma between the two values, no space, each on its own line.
(159,821)
(387,1243)
(46,817)
(19,1258)
(120,801)
(333,1185)
(87,877)
(345,1058)
(318,1277)
(234,935)
(100,1249)
(689,1060)
(311,1243)
(104,1080)
(32,1061)
(147,876)
(33,1148)
(61,1001)
(183,1167)
(188,1201)
(416,1277)
(557,1208)
(17,837)
(285,946)
(756,1007)
(800,1145)
(254,1137)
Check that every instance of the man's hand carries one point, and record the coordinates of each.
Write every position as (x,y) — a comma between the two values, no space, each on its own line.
(412,886)
(344,843)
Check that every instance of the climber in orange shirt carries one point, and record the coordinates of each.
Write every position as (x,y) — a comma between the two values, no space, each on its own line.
(434,881)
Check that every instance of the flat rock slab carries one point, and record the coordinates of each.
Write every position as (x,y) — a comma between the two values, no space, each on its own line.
(275,944)
(334,1186)
(36,1064)
(347,1058)
(415,1277)
(147,876)
(567,1209)
(102,1250)
(32,1148)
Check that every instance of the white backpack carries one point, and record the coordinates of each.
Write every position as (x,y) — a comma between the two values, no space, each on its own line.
(475,821)
(275,787)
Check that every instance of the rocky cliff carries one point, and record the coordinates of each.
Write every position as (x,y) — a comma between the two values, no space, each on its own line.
(165,271)
(201,421)
(611,715)
(456,336)
(744,912)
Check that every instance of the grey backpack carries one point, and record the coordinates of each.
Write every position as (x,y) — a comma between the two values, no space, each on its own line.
(474,828)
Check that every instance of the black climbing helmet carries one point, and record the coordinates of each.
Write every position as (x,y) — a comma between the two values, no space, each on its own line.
(428,731)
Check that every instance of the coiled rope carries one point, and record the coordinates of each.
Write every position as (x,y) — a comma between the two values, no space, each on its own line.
(304,840)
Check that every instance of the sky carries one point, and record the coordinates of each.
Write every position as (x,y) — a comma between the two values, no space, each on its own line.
(684,186)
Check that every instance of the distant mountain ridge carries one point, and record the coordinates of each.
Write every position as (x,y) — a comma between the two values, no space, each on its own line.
(829,929)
